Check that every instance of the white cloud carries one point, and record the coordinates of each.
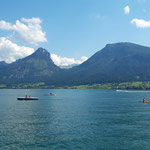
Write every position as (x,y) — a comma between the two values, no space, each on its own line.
(140,23)
(127,10)
(64,61)
(28,30)
(9,51)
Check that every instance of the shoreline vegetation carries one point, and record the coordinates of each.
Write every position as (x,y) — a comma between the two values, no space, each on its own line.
(125,85)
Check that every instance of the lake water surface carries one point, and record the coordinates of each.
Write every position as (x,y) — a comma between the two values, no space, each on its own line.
(74,120)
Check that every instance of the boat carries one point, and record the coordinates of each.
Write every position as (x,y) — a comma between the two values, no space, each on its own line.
(52,94)
(27,98)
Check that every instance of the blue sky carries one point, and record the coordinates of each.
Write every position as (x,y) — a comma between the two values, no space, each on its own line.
(73,28)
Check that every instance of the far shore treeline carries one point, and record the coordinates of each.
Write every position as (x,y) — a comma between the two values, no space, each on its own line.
(110,86)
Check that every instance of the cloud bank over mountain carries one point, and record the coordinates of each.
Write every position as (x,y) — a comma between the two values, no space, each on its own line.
(64,61)
(23,32)
(10,51)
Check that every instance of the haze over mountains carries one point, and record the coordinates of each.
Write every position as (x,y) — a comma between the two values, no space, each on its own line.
(119,62)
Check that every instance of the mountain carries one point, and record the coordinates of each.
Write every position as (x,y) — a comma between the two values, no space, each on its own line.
(119,62)
(37,67)
(3,63)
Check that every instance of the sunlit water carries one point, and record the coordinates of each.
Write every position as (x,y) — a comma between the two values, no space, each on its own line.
(75,119)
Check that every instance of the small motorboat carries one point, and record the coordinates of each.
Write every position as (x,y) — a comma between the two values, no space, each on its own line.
(27,98)
(52,94)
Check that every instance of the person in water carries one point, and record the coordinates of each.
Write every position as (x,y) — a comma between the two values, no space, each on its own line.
(144,100)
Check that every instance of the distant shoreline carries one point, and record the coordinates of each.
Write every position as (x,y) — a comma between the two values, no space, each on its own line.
(114,86)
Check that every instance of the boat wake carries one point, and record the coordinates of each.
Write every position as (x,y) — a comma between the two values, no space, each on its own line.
(133,91)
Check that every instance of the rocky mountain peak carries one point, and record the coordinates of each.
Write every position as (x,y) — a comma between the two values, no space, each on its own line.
(41,53)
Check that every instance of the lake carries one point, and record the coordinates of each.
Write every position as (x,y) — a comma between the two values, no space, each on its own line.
(74,120)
